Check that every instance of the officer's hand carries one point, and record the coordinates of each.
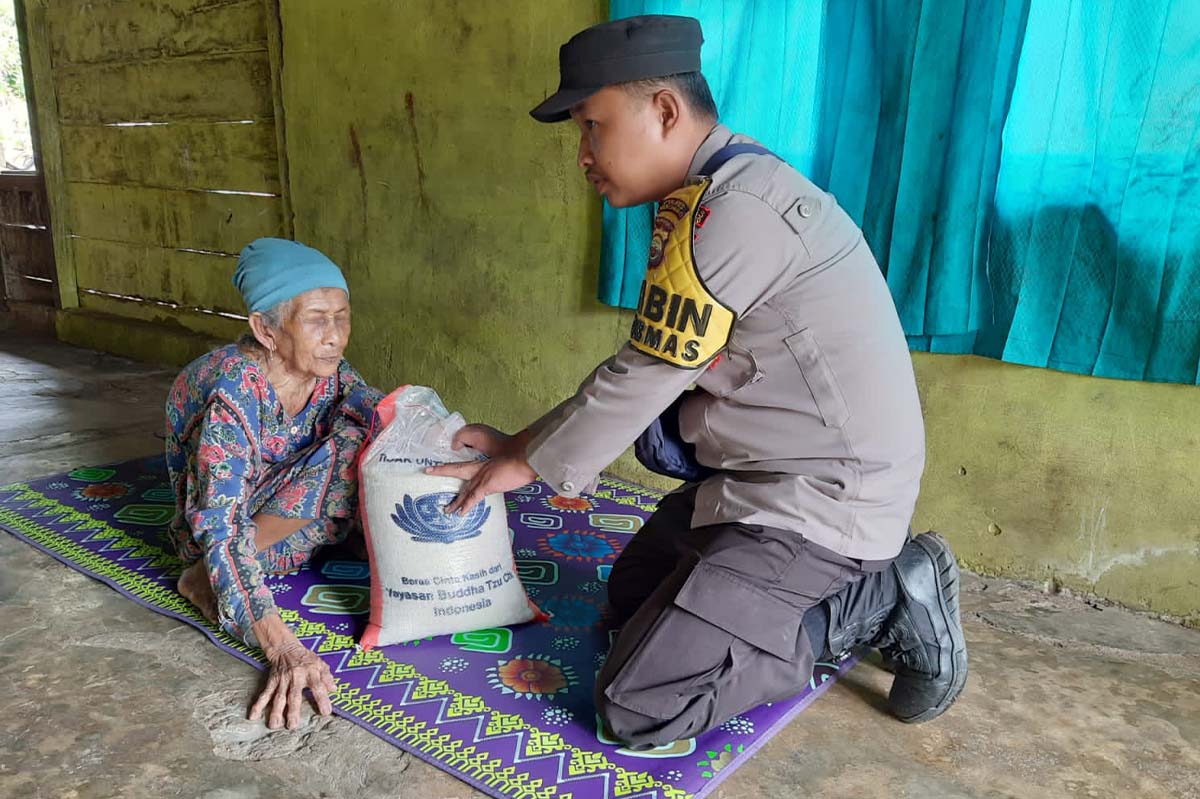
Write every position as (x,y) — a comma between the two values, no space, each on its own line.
(484,438)
(484,478)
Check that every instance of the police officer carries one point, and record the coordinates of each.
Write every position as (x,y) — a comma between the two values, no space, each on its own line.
(802,435)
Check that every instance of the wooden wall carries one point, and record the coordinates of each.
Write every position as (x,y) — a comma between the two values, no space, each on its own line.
(158,129)
(26,249)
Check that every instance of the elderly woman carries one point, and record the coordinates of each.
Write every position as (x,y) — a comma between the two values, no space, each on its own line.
(262,437)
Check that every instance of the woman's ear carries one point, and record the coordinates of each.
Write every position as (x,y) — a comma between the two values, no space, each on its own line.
(263,334)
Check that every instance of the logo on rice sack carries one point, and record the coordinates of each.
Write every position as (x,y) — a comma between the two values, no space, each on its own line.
(425,519)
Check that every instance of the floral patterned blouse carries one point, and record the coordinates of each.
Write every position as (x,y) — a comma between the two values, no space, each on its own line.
(232,452)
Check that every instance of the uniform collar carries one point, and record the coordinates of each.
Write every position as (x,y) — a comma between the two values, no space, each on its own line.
(717,138)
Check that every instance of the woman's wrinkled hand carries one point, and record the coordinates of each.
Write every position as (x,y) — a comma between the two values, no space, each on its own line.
(293,668)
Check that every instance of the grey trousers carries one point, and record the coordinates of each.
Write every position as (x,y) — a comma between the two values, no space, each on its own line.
(712,622)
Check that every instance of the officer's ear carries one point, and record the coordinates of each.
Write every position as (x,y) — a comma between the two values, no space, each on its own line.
(668,107)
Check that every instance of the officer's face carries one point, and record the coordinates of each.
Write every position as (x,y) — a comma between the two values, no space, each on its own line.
(624,149)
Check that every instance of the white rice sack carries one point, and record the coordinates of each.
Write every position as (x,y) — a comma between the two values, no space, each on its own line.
(431,573)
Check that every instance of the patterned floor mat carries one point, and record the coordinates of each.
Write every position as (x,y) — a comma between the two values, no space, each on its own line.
(506,710)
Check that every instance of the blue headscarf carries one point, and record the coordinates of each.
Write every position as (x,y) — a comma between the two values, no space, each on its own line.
(271,271)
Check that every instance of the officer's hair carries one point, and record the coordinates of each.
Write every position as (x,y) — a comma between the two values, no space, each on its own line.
(690,85)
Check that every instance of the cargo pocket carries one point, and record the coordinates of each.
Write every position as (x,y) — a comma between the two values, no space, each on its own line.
(687,654)
(819,376)
(742,609)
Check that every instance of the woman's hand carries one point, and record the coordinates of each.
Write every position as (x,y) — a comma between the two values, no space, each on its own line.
(293,668)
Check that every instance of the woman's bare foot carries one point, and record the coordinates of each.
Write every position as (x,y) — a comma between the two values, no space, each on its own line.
(196,588)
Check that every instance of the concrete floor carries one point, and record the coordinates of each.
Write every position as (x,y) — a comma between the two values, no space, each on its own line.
(106,699)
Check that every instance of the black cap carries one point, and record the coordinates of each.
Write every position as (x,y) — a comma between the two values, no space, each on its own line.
(623,50)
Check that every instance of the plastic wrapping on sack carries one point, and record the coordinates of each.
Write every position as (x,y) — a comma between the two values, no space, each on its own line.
(431,573)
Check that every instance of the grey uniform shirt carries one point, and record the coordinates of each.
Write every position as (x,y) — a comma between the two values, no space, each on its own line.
(806,399)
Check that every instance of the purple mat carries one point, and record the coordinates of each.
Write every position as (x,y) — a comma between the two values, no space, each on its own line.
(507,710)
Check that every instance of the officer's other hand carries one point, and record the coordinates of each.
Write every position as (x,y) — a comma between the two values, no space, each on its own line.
(483,438)
(484,478)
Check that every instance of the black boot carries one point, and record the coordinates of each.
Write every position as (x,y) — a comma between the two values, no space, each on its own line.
(910,612)
(923,636)
(857,613)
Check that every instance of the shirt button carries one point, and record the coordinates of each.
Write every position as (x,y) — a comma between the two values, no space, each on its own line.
(804,209)
(295,429)
(568,486)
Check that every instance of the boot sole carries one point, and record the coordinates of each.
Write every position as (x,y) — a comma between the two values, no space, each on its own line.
(938,550)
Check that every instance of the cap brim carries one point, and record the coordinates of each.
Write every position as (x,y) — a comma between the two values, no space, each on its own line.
(557,107)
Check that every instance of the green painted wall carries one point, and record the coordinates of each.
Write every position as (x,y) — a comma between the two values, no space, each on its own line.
(467,235)
(1086,482)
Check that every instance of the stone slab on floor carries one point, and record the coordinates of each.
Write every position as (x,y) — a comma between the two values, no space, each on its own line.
(107,699)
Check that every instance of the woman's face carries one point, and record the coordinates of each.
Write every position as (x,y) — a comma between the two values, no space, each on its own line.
(314,336)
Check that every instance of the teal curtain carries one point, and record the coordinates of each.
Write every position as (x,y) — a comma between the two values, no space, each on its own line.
(1027,172)
(1096,238)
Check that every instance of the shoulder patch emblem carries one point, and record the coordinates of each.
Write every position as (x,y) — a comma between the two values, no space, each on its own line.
(678,320)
